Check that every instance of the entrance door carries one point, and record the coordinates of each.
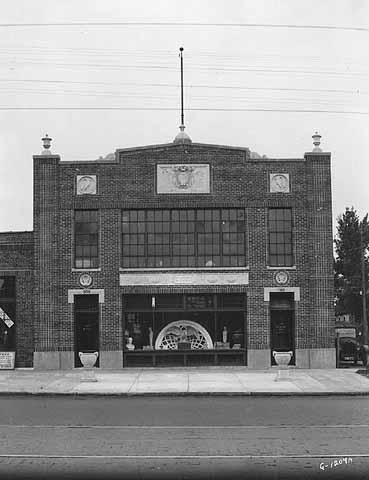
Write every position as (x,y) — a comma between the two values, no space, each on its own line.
(86,321)
(282,332)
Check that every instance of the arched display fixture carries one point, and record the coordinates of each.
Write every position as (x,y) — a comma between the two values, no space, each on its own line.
(183,331)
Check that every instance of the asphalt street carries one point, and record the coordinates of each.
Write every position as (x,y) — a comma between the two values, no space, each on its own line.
(184,437)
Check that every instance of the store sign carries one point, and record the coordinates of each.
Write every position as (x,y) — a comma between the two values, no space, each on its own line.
(7,360)
(346,332)
(9,323)
(183,178)
(5,318)
(196,278)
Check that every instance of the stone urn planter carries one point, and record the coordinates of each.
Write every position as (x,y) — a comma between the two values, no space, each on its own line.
(282,359)
(88,360)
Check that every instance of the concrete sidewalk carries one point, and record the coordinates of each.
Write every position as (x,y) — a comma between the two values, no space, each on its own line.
(185,381)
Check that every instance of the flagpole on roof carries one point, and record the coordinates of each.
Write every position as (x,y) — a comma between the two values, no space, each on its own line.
(182,137)
(182,110)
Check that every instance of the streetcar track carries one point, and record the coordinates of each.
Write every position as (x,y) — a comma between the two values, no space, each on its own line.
(183,427)
(251,456)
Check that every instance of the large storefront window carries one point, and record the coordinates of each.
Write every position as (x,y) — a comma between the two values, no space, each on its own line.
(184,329)
(183,238)
(7,313)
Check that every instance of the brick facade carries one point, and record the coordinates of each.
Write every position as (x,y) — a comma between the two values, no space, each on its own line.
(129,181)
(16,260)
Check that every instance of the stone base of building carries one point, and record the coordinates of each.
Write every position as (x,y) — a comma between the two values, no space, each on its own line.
(315,357)
(258,359)
(53,360)
(111,359)
(305,358)
(65,360)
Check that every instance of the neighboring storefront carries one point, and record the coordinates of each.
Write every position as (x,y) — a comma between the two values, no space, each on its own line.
(16,299)
(177,254)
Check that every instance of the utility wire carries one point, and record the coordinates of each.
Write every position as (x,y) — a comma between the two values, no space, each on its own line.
(173,85)
(79,50)
(199,67)
(153,63)
(210,109)
(38,49)
(186,24)
(287,101)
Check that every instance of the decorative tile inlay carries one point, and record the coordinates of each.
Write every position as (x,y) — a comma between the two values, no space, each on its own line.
(86,185)
(279,183)
(183,178)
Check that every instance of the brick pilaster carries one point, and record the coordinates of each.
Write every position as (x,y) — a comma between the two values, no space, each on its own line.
(321,318)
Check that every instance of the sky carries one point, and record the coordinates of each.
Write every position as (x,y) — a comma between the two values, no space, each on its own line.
(98,75)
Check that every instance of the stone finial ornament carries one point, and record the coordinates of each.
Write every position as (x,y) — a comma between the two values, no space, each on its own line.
(316,141)
(182,136)
(46,142)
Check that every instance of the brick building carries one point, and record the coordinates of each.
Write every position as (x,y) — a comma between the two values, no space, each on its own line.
(175,254)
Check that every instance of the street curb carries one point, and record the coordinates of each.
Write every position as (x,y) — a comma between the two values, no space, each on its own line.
(186,394)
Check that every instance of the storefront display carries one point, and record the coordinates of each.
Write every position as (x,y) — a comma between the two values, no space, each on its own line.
(184,328)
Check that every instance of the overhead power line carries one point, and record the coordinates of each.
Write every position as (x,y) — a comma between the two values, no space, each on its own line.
(202,68)
(209,109)
(245,99)
(174,85)
(232,55)
(185,24)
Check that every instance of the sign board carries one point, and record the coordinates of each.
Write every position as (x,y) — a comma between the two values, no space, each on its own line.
(196,278)
(346,332)
(8,321)
(7,360)
(345,318)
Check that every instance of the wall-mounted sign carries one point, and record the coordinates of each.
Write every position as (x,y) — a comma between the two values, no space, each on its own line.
(346,332)
(5,318)
(179,278)
(279,183)
(183,178)
(86,185)
(7,360)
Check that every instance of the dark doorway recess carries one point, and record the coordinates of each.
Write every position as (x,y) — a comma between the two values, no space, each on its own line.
(86,321)
(282,324)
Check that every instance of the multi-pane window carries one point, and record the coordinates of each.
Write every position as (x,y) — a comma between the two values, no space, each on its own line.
(183,238)
(86,239)
(280,237)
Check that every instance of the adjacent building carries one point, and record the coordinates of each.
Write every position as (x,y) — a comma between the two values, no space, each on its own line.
(174,254)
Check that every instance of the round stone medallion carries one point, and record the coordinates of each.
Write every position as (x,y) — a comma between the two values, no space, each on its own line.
(85,280)
(281,278)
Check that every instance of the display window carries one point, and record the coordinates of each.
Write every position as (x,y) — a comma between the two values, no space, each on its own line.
(201,324)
